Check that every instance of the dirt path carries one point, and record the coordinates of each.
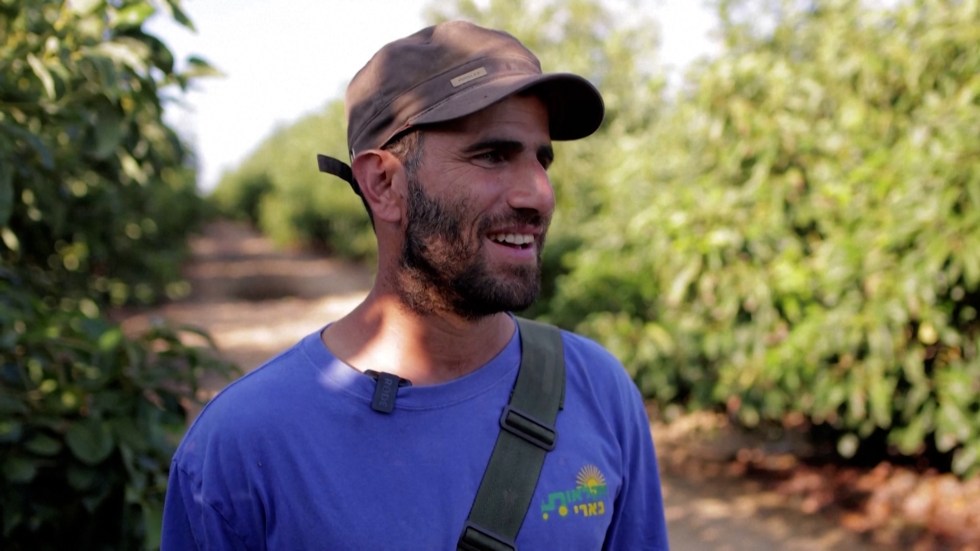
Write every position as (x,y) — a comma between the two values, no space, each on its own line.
(255,301)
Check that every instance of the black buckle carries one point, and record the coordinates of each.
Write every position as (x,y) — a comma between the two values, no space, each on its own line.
(475,538)
(527,427)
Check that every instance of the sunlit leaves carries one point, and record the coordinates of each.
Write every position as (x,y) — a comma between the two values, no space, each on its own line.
(807,226)
(88,417)
(794,230)
(96,201)
(81,131)
(131,15)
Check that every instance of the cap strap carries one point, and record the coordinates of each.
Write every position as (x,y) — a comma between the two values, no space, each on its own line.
(339,169)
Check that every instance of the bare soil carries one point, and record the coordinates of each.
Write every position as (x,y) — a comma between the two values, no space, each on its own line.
(724,489)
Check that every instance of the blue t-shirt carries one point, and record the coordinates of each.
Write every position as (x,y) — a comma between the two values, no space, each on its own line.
(292,457)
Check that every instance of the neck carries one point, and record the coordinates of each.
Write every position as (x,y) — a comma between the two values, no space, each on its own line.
(383,335)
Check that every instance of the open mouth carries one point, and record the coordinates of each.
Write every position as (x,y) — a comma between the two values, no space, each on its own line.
(515,240)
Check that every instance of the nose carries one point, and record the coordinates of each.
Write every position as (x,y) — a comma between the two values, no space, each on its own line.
(531,189)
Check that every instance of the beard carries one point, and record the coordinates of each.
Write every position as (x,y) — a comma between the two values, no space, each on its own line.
(442,269)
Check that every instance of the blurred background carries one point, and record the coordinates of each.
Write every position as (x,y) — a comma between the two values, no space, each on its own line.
(776,229)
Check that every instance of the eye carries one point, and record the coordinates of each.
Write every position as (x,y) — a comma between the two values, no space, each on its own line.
(491,156)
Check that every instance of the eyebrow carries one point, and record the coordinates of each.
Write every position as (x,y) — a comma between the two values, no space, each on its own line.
(546,152)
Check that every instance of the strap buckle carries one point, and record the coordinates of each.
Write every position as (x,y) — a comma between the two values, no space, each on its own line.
(475,538)
(527,427)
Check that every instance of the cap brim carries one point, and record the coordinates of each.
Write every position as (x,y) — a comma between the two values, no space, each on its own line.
(575,107)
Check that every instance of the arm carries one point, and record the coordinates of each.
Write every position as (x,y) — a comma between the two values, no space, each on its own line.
(638,520)
(191,524)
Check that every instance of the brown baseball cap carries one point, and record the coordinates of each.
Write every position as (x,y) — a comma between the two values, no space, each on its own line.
(451,70)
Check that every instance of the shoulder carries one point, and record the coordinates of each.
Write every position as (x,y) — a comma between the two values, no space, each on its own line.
(251,407)
(584,348)
(588,356)
(595,374)
(277,375)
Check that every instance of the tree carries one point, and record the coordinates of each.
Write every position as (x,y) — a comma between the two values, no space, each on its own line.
(803,231)
(96,192)
(279,189)
(97,197)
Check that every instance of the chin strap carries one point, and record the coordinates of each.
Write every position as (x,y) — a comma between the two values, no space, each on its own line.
(339,169)
(527,434)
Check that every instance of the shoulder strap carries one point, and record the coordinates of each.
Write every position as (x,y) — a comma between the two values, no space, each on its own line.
(527,433)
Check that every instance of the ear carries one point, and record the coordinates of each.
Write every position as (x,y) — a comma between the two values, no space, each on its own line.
(381,178)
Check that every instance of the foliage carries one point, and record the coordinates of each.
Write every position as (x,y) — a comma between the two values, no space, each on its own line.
(96,201)
(89,420)
(95,192)
(279,189)
(802,236)
(792,233)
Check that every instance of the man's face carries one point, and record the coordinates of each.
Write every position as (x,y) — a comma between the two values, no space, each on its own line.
(478,210)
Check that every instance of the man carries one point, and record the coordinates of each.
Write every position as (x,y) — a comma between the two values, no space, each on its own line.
(375,432)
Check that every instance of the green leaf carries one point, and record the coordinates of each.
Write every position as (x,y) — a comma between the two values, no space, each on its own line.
(43,153)
(10,430)
(42,74)
(952,427)
(911,438)
(129,52)
(131,168)
(6,193)
(109,132)
(881,397)
(129,435)
(92,501)
(848,444)
(105,75)
(199,67)
(12,518)
(153,522)
(133,15)
(18,470)
(82,478)
(967,459)
(9,239)
(162,56)
(110,340)
(179,15)
(85,7)
(90,440)
(10,405)
(43,445)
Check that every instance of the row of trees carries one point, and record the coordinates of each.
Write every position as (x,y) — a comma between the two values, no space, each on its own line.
(791,233)
(97,196)
(812,244)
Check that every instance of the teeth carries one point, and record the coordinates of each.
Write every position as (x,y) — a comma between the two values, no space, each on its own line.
(513,238)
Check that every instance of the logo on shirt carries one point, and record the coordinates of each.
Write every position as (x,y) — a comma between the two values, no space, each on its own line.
(586,499)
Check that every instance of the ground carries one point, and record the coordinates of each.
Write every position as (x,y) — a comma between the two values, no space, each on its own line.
(724,489)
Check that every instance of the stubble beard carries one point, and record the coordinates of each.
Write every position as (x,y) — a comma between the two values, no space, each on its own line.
(441,269)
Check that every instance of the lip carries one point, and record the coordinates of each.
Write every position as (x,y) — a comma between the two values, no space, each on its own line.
(514,252)
(524,229)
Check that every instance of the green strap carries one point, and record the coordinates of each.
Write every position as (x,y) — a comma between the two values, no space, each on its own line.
(527,434)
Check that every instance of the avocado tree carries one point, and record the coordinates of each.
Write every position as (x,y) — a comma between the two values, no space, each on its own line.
(97,196)
(800,238)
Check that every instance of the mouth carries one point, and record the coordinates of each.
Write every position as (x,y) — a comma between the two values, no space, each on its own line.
(514,240)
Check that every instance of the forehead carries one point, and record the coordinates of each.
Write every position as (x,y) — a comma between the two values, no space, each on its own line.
(522,117)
